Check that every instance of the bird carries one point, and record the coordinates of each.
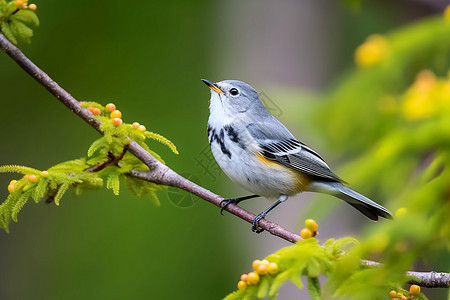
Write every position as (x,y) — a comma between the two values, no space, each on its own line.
(259,153)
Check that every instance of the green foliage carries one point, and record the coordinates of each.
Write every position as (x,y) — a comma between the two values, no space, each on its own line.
(15,23)
(78,174)
(306,258)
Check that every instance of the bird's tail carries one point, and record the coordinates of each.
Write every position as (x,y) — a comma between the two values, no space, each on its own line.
(369,208)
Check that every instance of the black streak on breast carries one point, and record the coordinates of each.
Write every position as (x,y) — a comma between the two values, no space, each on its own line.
(233,136)
(220,139)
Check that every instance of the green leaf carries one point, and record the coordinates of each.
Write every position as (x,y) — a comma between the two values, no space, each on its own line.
(19,204)
(26,16)
(162,140)
(263,287)
(61,192)
(113,183)
(21,31)
(97,144)
(6,30)
(40,189)
(278,282)
(314,288)
(295,278)
(19,169)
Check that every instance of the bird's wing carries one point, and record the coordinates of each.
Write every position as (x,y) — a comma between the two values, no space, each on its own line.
(279,145)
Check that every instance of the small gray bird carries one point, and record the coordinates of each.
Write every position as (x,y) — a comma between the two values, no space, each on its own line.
(259,153)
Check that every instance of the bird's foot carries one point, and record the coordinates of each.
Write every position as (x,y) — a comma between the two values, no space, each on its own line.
(255,227)
(234,201)
(227,202)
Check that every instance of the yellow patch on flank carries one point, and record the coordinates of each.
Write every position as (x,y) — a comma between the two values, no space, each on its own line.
(270,163)
(301,179)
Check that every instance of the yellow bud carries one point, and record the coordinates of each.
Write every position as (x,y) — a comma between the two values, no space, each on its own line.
(256,264)
(414,289)
(21,4)
(253,278)
(115,114)
(272,268)
(262,269)
(242,285)
(32,178)
(32,6)
(311,225)
(306,233)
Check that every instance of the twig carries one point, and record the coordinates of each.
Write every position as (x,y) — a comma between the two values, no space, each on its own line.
(426,279)
(112,159)
(162,174)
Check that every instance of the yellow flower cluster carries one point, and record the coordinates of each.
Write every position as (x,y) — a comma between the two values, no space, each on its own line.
(261,267)
(374,50)
(23,4)
(428,95)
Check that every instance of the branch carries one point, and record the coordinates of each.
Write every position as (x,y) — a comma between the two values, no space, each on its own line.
(162,174)
(159,173)
(426,279)
(109,161)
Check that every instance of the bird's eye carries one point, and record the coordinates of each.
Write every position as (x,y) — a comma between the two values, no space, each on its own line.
(234,92)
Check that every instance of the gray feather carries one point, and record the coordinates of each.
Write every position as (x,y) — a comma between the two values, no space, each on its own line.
(366,206)
(278,144)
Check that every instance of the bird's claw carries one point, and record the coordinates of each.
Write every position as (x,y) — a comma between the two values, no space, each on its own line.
(227,202)
(255,227)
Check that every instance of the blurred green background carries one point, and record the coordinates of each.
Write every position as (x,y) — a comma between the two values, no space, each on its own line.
(148,57)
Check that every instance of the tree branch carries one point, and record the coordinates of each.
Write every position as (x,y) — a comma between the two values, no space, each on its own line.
(159,173)
(111,159)
(162,174)
(426,279)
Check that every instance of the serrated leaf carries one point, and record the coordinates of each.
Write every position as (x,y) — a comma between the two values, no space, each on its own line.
(18,169)
(39,190)
(113,183)
(11,7)
(61,191)
(21,31)
(162,140)
(26,16)
(6,30)
(263,288)
(278,282)
(295,279)
(314,288)
(19,204)
(101,142)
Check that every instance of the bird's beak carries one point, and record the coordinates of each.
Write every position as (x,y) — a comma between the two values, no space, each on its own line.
(212,86)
